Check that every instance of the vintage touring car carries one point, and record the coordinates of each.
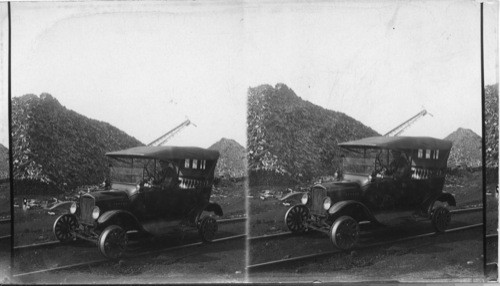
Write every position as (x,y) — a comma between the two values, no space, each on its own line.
(149,190)
(380,178)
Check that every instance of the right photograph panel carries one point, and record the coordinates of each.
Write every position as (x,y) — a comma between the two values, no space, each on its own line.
(365,141)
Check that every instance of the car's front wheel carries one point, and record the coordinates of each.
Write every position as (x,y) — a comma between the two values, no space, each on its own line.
(441,218)
(207,228)
(344,232)
(296,217)
(64,228)
(113,242)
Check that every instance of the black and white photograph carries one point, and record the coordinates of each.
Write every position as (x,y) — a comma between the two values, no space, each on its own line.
(181,142)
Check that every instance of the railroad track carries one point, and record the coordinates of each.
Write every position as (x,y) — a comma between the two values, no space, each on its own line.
(135,255)
(4,221)
(492,236)
(56,242)
(364,246)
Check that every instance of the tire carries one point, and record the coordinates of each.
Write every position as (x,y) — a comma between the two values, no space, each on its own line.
(296,217)
(441,218)
(113,242)
(207,228)
(64,228)
(344,232)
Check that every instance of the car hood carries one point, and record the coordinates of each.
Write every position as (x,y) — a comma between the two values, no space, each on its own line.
(341,186)
(110,195)
(108,200)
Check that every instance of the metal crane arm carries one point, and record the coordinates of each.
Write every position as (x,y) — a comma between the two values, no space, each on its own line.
(165,137)
(400,128)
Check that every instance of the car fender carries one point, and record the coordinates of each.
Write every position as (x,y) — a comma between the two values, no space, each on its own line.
(355,209)
(443,197)
(215,208)
(61,206)
(125,217)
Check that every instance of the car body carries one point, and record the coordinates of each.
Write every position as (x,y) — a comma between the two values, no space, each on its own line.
(149,190)
(381,177)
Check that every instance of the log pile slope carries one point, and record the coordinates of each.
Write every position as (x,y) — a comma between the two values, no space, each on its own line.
(491,123)
(54,147)
(4,162)
(232,161)
(293,140)
(466,149)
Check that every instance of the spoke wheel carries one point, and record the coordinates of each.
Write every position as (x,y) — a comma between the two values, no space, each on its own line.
(296,217)
(207,228)
(344,232)
(113,242)
(64,228)
(441,219)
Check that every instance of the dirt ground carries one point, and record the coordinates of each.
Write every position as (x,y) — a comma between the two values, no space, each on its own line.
(4,200)
(447,258)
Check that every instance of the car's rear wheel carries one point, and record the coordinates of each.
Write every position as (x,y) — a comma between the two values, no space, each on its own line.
(441,218)
(344,232)
(64,228)
(296,217)
(207,228)
(113,242)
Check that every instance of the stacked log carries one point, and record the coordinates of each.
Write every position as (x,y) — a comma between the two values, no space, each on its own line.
(491,123)
(232,161)
(466,150)
(4,162)
(55,148)
(290,139)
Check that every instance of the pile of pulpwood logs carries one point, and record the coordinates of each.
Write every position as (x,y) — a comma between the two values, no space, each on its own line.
(4,162)
(232,162)
(55,148)
(293,140)
(466,150)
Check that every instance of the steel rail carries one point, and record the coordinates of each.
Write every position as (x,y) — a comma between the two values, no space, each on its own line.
(492,235)
(5,237)
(104,260)
(230,220)
(2,221)
(329,253)
(466,210)
(55,242)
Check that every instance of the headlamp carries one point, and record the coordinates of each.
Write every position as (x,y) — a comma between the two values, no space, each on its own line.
(305,198)
(95,212)
(72,208)
(327,203)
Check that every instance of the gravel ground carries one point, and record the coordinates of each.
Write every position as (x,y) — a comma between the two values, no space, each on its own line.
(448,258)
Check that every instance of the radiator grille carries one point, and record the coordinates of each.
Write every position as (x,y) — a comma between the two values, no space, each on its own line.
(318,195)
(86,205)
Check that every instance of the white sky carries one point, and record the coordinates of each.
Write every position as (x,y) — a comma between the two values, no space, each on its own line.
(143,67)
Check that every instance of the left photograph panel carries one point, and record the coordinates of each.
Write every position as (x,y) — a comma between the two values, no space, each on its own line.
(5,208)
(128,127)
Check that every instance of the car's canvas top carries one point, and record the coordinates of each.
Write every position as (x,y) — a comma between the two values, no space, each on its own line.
(167,153)
(399,142)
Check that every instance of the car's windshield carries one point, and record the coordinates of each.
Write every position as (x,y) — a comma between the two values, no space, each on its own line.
(376,161)
(360,161)
(136,170)
(127,170)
